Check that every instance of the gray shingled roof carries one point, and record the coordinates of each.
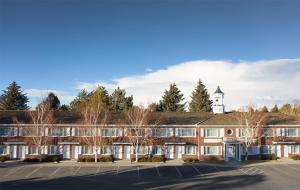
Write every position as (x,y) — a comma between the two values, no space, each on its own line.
(218,91)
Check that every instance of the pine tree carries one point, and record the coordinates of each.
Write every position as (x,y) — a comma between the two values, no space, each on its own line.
(13,98)
(171,100)
(200,99)
(119,101)
(77,103)
(275,109)
(264,109)
(53,101)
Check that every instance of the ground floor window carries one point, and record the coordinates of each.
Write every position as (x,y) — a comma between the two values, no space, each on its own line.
(212,150)
(267,149)
(140,150)
(3,149)
(295,149)
(190,149)
(33,150)
(87,150)
(106,150)
(157,150)
(52,149)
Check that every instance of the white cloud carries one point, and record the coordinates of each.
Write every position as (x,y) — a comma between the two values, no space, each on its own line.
(264,82)
(36,95)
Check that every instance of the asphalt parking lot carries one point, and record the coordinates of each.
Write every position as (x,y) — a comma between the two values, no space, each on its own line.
(114,176)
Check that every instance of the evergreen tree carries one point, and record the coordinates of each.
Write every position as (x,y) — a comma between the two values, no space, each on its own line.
(275,109)
(119,101)
(13,98)
(82,97)
(264,109)
(53,101)
(171,100)
(200,99)
(100,94)
(64,107)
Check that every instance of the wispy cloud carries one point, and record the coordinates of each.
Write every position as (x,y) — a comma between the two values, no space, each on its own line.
(264,82)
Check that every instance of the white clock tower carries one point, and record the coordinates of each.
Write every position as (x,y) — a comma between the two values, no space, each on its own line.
(218,104)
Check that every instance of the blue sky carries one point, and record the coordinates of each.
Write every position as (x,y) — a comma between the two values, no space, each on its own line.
(60,44)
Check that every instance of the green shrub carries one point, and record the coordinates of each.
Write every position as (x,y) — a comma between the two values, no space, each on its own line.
(142,159)
(158,159)
(3,158)
(296,157)
(191,159)
(81,159)
(31,160)
(56,159)
(273,157)
(106,159)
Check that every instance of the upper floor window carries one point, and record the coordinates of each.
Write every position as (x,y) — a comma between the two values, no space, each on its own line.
(185,132)
(212,132)
(85,132)
(6,131)
(30,131)
(58,131)
(292,132)
(268,132)
(163,132)
(111,132)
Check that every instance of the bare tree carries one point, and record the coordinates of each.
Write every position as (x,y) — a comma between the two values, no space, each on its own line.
(251,124)
(94,117)
(137,131)
(42,119)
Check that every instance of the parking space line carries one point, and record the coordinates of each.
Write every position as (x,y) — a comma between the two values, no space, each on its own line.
(54,172)
(98,170)
(178,171)
(157,170)
(138,171)
(76,171)
(197,170)
(292,167)
(222,173)
(16,169)
(118,170)
(31,173)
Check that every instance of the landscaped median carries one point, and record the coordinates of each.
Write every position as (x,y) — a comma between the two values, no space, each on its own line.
(43,158)
(148,158)
(91,158)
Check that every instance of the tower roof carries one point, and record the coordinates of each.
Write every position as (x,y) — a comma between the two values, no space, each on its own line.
(218,91)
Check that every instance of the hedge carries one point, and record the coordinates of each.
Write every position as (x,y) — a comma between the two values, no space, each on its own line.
(99,159)
(295,156)
(3,158)
(45,158)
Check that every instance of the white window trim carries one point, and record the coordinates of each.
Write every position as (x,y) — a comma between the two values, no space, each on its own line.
(218,135)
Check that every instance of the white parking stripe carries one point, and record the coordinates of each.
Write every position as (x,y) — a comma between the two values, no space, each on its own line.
(31,173)
(14,171)
(55,171)
(98,170)
(157,170)
(219,170)
(138,171)
(76,171)
(118,170)
(197,170)
(178,171)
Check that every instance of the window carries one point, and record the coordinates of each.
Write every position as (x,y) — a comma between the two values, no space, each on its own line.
(229,131)
(111,132)
(157,150)
(33,150)
(6,131)
(106,150)
(268,132)
(140,150)
(185,132)
(190,149)
(87,150)
(3,149)
(163,132)
(87,132)
(58,132)
(29,131)
(211,132)
(267,149)
(52,149)
(212,150)
(295,149)
(291,132)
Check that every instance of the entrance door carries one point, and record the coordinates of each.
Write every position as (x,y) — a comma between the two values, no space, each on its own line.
(286,151)
(21,154)
(231,152)
(74,152)
(170,152)
(117,152)
(179,151)
(126,152)
(66,151)
(13,151)
(278,151)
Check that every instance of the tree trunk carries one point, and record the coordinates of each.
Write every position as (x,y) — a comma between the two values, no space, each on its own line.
(136,153)
(96,153)
(40,153)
